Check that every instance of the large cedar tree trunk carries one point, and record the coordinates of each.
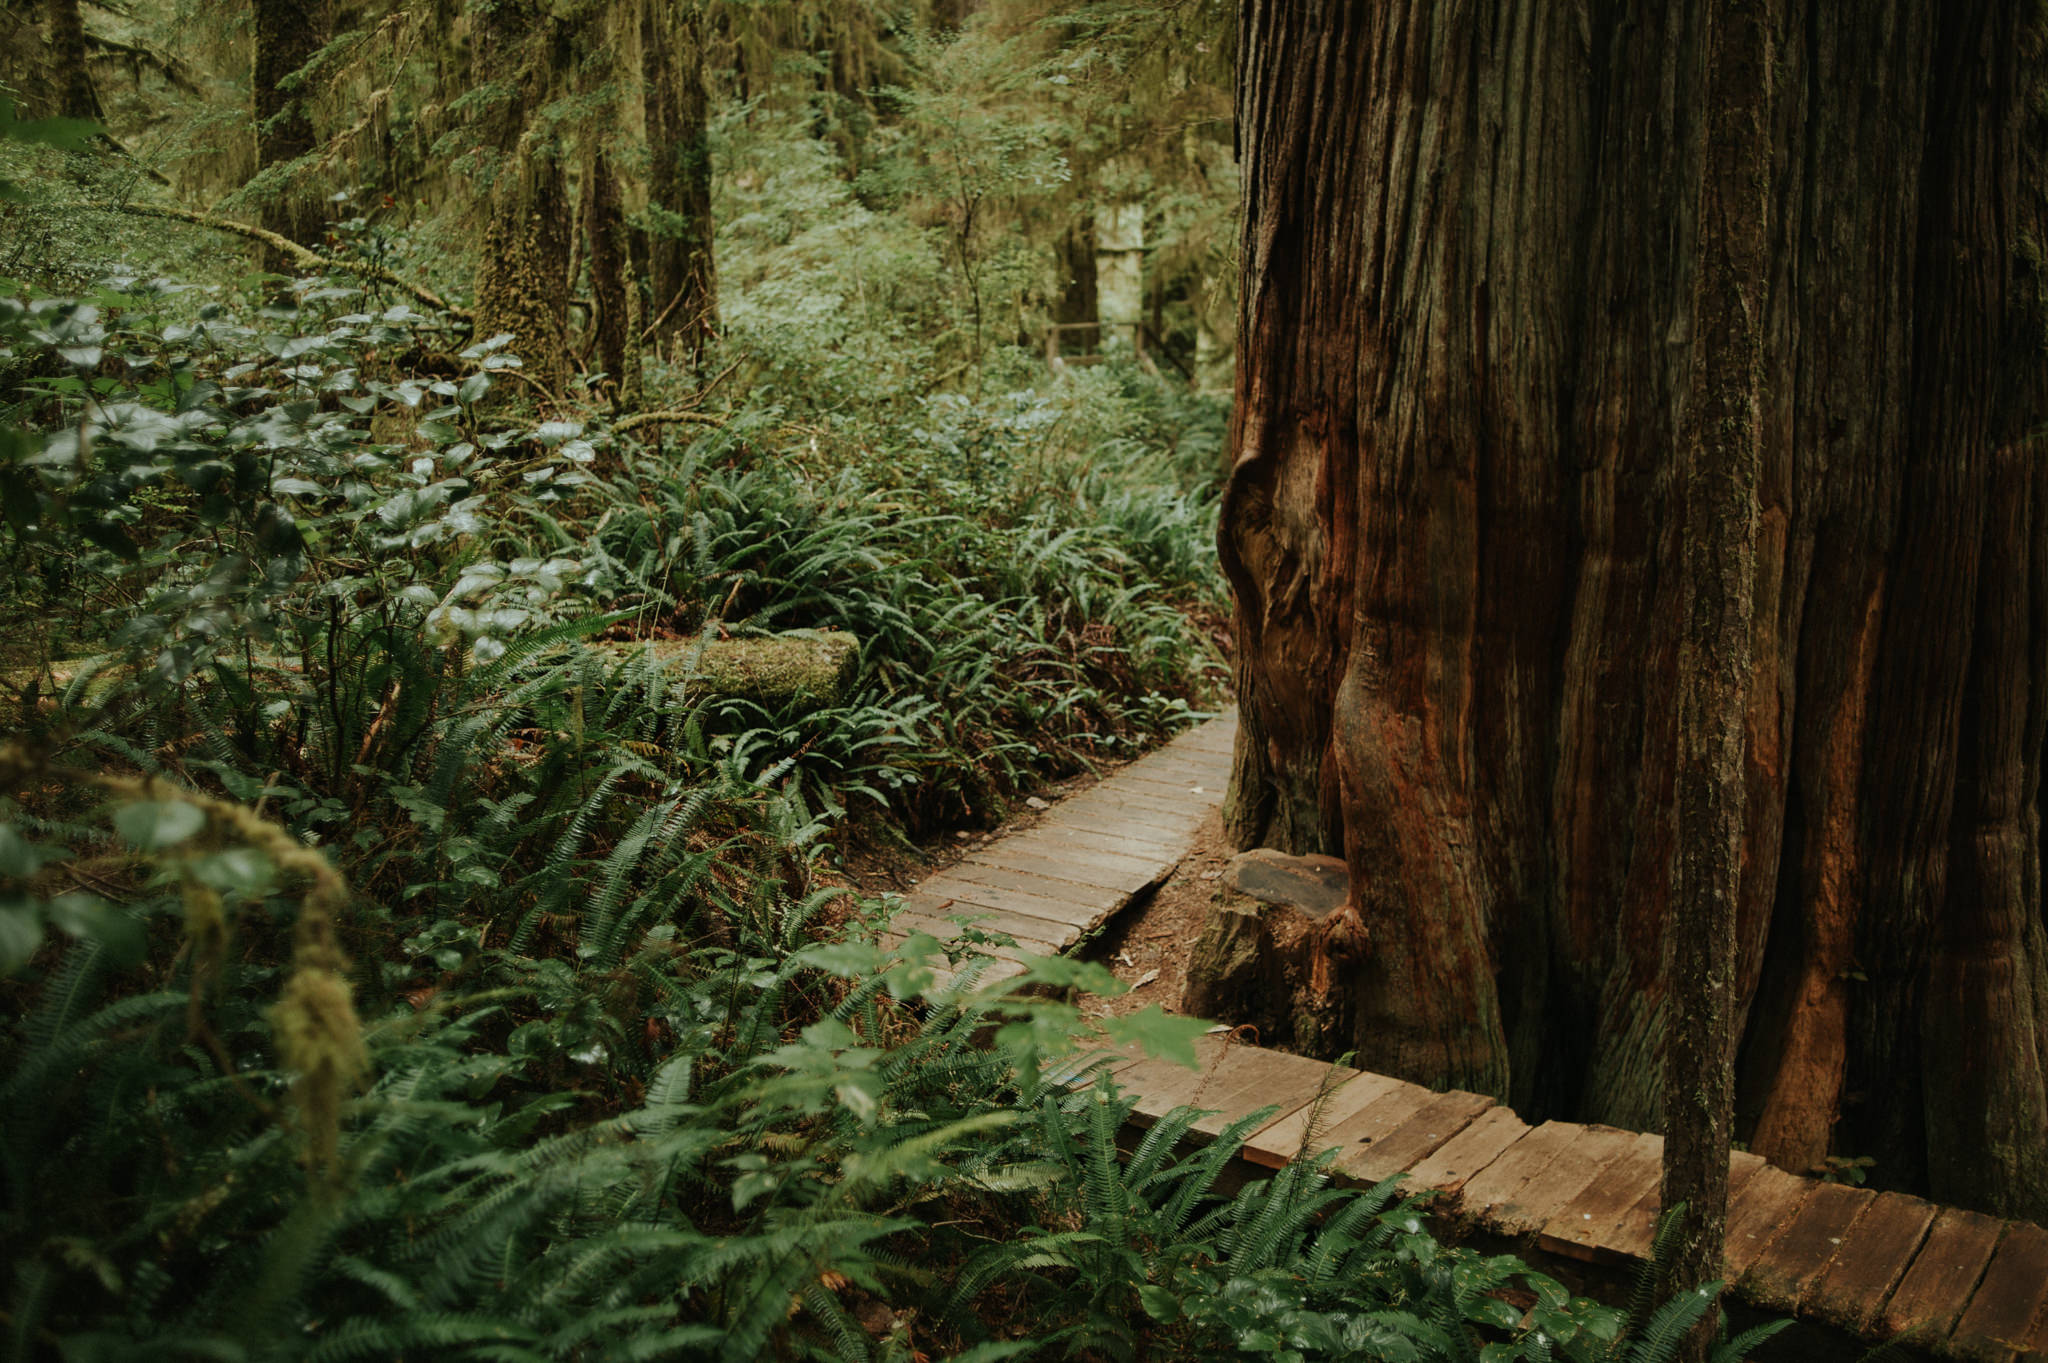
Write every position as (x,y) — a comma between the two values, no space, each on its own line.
(287,34)
(1466,335)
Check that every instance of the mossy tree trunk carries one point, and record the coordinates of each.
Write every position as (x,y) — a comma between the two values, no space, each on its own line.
(286,34)
(71,78)
(1452,530)
(522,283)
(682,271)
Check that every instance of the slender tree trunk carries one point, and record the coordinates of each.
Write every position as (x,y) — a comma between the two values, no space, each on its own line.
(1720,458)
(682,273)
(286,35)
(610,269)
(1453,531)
(71,77)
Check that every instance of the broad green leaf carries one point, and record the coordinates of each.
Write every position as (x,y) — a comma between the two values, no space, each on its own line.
(153,825)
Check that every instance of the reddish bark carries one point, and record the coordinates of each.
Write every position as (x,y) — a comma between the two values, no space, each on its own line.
(1452,530)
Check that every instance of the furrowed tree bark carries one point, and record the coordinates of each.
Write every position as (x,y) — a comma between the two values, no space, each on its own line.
(1454,531)
(1720,457)
(285,36)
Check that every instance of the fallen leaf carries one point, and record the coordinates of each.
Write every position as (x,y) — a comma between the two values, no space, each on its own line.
(1145,979)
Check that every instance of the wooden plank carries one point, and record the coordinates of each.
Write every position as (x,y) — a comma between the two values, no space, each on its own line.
(1032,934)
(1798,1255)
(1630,1237)
(2009,1298)
(1441,1118)
(1099,901)
(1123,839)
(1575,1229)
(1937,1286)
(1075,870)
(1852,1292)
(1492,1134)
(1248,1078)
(1579,1165)
(995,972)
(1185,790)
(1188,769)
(1769,1200)
(940,891)
(1064,845)
(1281,1140)
(1137,805)
(1528,1158)
(1371,1124)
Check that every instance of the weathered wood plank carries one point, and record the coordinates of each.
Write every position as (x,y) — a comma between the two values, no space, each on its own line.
(1528,1158)
(1852,1292)
(1122,839)
(1438,1120)
(1577,1167)
(1630,1237)
(1065,845)
(1769,1200)
(1282,1139)
(1247,1078)
(946,890)
(1143,823)
(1490,1136)
(1035,935)
(1075,870)
(1134,809)
(1372,1124)
(2010,1297)
(1100,900)
(1937,1285)
(1575,1229)
(1797,1256)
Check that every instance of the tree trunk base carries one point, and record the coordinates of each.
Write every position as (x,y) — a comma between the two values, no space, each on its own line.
(1272,950)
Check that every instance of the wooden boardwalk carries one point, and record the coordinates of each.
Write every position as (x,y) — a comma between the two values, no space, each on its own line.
(1875,1265)
(1051,885)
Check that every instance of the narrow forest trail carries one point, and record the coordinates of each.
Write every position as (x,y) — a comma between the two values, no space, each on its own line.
(1053,884)
(1874,1266)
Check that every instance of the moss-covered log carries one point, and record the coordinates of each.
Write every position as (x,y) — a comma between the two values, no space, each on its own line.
(803,665)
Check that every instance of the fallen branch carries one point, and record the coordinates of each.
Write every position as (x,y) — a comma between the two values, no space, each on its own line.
(680,418)
(303,257)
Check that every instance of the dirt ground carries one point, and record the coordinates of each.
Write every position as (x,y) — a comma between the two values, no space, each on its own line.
(1147,945)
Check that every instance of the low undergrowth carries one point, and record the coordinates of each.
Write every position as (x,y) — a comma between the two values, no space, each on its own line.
(402,963)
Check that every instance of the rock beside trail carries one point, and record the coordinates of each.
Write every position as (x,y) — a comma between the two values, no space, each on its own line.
(1316,886)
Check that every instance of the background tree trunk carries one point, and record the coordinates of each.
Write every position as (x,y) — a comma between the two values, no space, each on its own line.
(522,274)
(1452,529)
(681,271)
(70,76)
(286,35)
(1720,456)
